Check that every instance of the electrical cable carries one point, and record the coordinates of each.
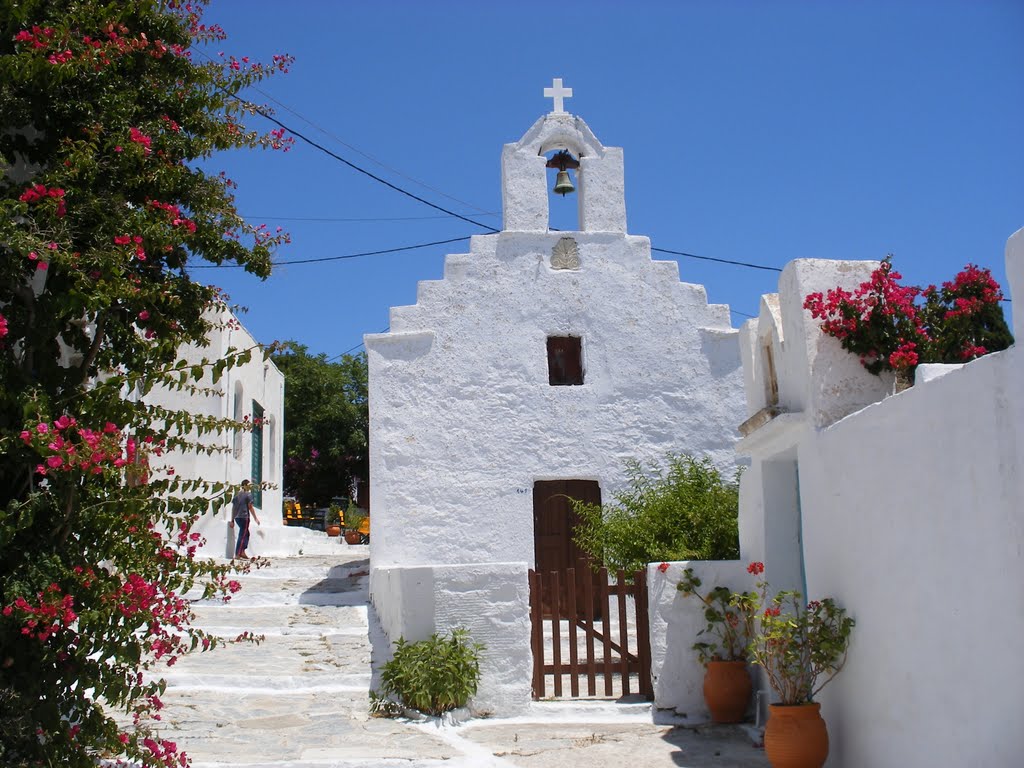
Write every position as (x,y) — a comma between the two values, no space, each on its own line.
(355,167)
(720,261)
(336,258)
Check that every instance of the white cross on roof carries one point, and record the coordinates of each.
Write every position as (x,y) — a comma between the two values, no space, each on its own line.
(558,93)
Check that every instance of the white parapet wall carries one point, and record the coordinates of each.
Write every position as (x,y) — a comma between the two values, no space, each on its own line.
(676,619)
(907,509)
(489,600)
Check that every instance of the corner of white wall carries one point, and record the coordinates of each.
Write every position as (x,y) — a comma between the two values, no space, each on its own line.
(675,620)
(1015,278)
(816,374)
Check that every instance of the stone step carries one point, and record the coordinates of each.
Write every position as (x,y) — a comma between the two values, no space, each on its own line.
(304,728)
(318,658)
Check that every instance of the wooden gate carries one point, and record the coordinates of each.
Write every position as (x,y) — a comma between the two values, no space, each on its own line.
(605,635)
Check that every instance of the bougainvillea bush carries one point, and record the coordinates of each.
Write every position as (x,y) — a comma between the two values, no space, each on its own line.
(896,327)
(107,116)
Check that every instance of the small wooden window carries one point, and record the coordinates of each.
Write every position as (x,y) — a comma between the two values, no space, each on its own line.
(565,360)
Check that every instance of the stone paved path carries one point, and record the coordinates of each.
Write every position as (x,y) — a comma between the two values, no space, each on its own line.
(299,700)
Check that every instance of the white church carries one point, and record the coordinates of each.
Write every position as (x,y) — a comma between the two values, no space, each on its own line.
(538,365)
(543,359)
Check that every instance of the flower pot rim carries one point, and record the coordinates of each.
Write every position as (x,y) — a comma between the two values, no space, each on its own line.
(798,705)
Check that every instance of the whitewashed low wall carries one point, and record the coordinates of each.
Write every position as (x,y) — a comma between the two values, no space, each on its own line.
(913,519)
(490,600)
(676,619)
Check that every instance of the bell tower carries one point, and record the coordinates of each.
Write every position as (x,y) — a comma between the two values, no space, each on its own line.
(600,180)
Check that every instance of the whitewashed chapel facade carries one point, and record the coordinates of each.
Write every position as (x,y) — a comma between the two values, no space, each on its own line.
(540,357)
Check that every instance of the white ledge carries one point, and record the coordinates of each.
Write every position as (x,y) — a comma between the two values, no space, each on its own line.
(776,435)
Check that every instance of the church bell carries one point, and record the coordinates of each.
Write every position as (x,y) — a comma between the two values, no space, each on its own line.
(563,184)
(563,161)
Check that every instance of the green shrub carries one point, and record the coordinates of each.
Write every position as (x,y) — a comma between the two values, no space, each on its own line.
(687,512)
(432,676)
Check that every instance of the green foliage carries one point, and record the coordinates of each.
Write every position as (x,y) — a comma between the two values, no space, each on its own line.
(795,643)
(334,515)
(434,675)
(104,123)
(687,512)
(353,519)
(326,418)
(727,627)
(964,318)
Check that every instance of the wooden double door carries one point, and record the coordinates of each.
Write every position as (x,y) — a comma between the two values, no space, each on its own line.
(554,521)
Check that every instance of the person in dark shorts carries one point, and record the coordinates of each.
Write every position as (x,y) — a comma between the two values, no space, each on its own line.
(241,509)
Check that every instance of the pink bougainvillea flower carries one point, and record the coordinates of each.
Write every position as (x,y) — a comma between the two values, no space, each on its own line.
(122,240)
(144,315)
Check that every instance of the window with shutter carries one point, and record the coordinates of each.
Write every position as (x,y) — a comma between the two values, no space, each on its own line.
(565,360)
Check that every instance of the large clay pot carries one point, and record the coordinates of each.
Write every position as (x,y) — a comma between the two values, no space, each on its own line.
(727,690)
(334,530)
(796,736)
(352,537)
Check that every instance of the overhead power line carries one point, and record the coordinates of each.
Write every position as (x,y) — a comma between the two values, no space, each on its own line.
(338,258)
(263,113)
(720,261)
(332,220)
(368,156)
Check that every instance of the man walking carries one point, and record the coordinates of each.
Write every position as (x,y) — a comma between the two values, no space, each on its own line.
(241,509)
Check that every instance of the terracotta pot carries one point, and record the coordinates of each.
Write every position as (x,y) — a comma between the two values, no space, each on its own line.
(352,537)
(334,530)
(796,736)
(727,690)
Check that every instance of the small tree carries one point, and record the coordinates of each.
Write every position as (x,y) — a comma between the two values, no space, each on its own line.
(104,120)
(883,323)
(964,317)
(685,512)
(326,422)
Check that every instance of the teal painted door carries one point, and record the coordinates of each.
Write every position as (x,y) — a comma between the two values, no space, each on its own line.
(257,454)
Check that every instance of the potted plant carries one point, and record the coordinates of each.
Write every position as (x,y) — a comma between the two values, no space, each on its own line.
(723,652)
(354,521)
(801,647)
(334,520)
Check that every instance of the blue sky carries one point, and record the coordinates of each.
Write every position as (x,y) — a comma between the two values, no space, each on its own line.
(753,131)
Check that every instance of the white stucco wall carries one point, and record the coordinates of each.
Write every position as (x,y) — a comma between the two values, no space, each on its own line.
(259,380)
(676,672)
(463,420)
(912,517)
(909,513)
(491,601)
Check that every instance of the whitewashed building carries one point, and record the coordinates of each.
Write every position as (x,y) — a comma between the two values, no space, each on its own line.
(907,508)
(252,390)
(537,366)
